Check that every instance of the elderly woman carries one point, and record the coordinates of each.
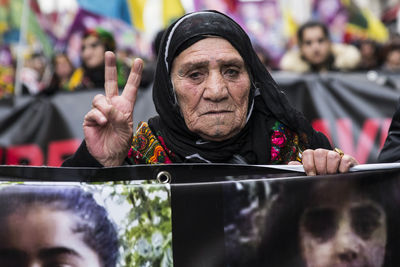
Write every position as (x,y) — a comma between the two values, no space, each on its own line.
(216,102)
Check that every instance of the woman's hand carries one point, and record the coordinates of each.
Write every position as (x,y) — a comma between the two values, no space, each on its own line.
(108,126)
(322,161)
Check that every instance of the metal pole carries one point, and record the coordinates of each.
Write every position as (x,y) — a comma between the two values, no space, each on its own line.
(21,47)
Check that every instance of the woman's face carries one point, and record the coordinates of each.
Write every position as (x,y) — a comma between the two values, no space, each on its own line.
(315,46)
(63,67)
(40,236)
(92,52)
(212,87)
(393,60)
(343,229)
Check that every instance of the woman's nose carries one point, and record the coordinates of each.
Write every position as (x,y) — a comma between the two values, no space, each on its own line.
(216,89)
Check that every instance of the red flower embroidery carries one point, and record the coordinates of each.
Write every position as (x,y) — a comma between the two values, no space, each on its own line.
(278,139)
(274,154)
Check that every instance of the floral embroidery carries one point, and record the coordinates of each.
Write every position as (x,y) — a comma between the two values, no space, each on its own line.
(285,145)
(147,148)
(278,138)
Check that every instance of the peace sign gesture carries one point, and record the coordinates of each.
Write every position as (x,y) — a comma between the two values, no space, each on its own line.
(108,126)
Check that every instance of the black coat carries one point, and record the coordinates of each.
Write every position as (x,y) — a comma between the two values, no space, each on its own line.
(391,149)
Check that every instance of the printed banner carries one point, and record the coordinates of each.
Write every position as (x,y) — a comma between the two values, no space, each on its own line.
(199,215)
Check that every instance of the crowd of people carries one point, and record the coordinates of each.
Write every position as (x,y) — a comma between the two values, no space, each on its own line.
(315,52)
(217,103)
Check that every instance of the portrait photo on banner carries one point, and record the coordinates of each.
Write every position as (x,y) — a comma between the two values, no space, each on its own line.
(103,224)
(349,220)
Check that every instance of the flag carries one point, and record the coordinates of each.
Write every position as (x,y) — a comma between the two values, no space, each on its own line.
(147,15)
(10,21)
(363,24)
(36,37)
(172,10)
(136,8)
(114,9)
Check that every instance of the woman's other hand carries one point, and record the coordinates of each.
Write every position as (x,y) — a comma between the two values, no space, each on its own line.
(322,161)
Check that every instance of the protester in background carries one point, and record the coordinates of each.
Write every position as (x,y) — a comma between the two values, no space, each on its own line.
(7,78)
(63,70)
(33,74)
(391,57)
(216,102)
(54,226)
(264,57)
(370,55)
(91,74)
(316,52)
(7,72)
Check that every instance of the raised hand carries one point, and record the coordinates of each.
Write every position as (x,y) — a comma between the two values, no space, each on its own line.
(322,161)
(108,126)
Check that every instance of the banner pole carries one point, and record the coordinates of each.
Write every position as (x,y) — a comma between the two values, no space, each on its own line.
(21,47)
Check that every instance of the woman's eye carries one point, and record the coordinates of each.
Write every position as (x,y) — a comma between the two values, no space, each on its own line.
(232,73)
(195,75)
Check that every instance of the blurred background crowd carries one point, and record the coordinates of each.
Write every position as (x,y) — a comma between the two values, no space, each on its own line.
(58,46)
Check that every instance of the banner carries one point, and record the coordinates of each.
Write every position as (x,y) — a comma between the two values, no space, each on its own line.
(199,215)
(352,111)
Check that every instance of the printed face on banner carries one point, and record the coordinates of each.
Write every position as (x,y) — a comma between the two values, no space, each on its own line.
(46,237)
(342,228)
(319,222)
(48,224)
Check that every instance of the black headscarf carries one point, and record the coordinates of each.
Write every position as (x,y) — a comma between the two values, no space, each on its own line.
(266,102)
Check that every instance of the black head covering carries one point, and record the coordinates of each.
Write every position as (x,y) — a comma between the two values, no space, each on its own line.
(270,104)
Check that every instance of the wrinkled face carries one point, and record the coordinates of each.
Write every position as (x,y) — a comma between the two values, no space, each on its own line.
(92,52)
(212,87)
(346,233)
(315,46)
(41,237)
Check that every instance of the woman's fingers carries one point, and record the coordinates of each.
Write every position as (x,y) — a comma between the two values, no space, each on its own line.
(320,160)
(132,85)
(308,162)
(323,161)
(95,118)
(346,163)
(110,75)
(333,161)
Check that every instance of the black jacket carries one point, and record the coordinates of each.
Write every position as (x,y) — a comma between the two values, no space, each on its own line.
(391,149)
